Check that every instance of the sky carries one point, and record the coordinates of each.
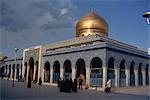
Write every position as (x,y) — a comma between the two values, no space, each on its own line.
(26,23)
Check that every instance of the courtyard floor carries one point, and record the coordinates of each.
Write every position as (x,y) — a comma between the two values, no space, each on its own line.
(44,92)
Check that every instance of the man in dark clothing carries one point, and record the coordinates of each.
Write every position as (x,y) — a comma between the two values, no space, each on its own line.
(67,85)
(71,84)
(40,81)
(62,86)
(75,85)
(29,82)
(80,83)
(58,82)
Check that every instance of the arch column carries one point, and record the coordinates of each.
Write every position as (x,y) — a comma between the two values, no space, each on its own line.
(127,72)
(61,72)
(15,73)
(51,75)
(34,73)
(11,74)
(117,74)
(87,76)
(27,72)
(136,77)
(42,74)
(143,77)
(21,71)
(104,76)
(73,72)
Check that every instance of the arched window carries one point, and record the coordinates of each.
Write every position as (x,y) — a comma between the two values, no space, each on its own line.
(110,71)
(17,72)
(67,69)
(47,72)
(147,75)
(31,69)
(132,76)
(13,69)
(122,80)
(140,79)
(81,71)
(56,73)
(9,73)
(96,75)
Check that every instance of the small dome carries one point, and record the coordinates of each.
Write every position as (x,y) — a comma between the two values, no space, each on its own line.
(91,24)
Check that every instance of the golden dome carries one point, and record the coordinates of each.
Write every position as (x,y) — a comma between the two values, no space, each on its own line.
(91,24)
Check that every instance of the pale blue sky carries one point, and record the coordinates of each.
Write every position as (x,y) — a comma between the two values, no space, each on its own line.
(25,23)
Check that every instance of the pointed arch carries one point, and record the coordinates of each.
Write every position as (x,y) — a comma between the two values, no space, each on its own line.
(56,71)
(81,70)
(47,72)
(140,79)
(67,69)
(122,75)
(111,71)
(96,75)
(31,69)
(132,75)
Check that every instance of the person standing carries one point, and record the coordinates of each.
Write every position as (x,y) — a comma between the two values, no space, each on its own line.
(80,83)
(40,81)
(59,81)
(108,86)
(75,86)
(29,82)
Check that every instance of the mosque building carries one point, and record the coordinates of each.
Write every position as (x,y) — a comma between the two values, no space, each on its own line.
(91,55)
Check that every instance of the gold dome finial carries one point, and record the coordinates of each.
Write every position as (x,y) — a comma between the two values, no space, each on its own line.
(91,24)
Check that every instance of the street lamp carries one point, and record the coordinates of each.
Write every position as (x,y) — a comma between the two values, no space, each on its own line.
(147,16)
(15,49)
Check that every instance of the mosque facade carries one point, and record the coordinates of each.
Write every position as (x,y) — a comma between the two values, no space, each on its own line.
(91,55)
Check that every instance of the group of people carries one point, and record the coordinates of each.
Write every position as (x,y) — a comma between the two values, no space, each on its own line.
(30,80)
(68,85)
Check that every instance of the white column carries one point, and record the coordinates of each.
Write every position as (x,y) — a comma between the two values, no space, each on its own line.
(5,70)
(127,72)
(35,66)
(136,77)
(87,76)
(11,72)
(19,70)
(34,72)
(117,74)
(73,73)
(23,65)
(42,74)
(51,75)
(104,76)
(27,72)
(61,72)
(15,74)
(143,77)
(40,67)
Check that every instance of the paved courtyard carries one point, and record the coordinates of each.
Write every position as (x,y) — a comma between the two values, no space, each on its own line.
(36,92)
